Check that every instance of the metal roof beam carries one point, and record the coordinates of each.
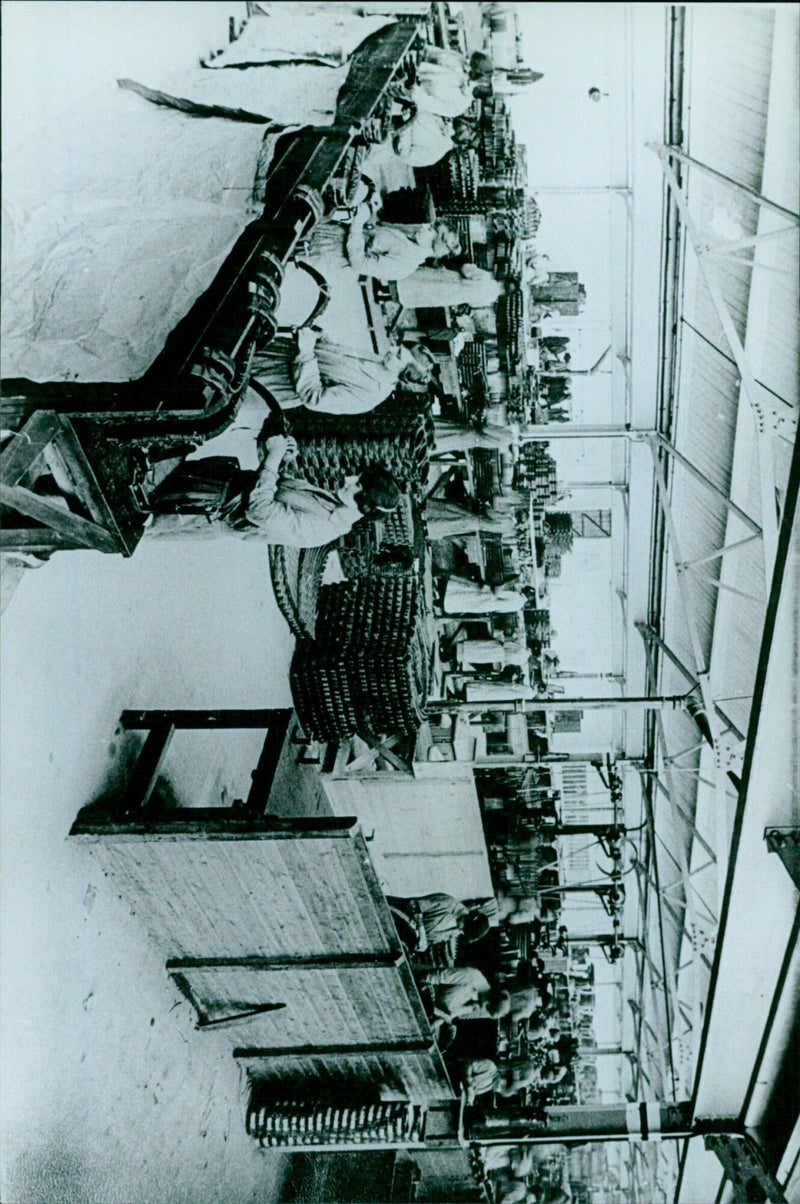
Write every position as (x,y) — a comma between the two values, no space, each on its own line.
(674,152)
(651,636)
(720,552)
(687,819)
(755,240)
(703,479)
(723,752)
(769,418)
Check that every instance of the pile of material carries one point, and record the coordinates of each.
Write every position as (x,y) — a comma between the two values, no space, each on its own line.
(471,365)
(537,625)
(371,675)
(510,324)
(292,1122)
(454,181)
(383,549)
(537,472)
(397,435)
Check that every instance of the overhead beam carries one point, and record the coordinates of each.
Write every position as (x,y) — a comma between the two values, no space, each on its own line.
(768,418)
(704,480)
(650,635)
(674,152)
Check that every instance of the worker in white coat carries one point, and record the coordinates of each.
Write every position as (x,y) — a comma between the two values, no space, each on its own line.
(275,506)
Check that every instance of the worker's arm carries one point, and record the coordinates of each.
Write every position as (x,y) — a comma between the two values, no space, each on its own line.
(273,519)
(363,258)
(314,393)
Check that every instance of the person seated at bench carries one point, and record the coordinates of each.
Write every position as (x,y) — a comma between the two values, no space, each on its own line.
(438,918)
(501,653)
(432,287)
(462,596)
(267,503)
(462,992)
(422,141)
(482,1075)
(330,378)
(524,1001)
(443,83)
(387,251)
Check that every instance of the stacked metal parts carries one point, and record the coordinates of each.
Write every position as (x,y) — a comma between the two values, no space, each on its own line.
(371,675)
(299,1122)
(398,436)
(472,366)
(537,472)
(510,324)
(364,549)
(453,181)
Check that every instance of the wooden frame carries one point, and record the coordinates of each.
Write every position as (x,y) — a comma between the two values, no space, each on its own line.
(45,438)
(134,811)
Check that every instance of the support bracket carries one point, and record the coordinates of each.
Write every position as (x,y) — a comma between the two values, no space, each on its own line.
(786,843)
(744,1165)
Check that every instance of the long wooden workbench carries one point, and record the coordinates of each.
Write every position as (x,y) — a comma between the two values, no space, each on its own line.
(98,434)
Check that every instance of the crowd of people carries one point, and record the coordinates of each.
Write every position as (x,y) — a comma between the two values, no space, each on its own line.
(499,1021)
(427,116)
(464,959)
(208,495)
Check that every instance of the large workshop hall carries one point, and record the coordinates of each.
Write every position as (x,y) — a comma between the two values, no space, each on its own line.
(400,586)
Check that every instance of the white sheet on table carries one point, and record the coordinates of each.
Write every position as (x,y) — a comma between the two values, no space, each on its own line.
(291,93)
(116,221)
(120,215)
(288,30)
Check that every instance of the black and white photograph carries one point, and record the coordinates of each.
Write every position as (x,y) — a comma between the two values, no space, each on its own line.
(400,596)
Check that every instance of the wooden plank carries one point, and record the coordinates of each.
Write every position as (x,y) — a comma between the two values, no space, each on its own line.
(264,773)
(68,448)
(147,768)
(370,756)
(26,446)
(232,828)
(322,900)
(350,1051)
(295,915)
(366,897)
(34,539)
(234,900)
(413,996)
(352,873)
(332,961)
(213,914)
(306,1019)
(53,516)
(346,1009)
(368,993)
(372,885)
(133,720)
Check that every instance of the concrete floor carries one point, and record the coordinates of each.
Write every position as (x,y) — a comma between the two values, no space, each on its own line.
(109,1094)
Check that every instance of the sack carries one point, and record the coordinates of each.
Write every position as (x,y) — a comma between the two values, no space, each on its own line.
(200,487)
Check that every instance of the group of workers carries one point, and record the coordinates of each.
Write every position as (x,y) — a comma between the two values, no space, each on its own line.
(511,1169)
(308,368)
(447,929)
